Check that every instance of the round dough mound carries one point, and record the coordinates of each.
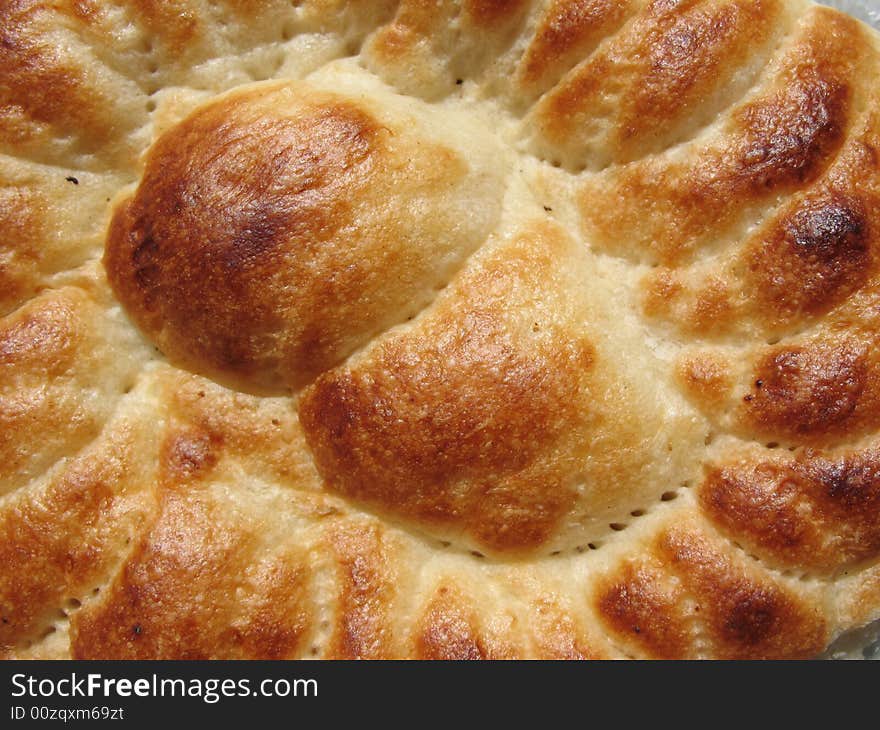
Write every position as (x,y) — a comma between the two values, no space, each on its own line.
(279,229)
(467,329)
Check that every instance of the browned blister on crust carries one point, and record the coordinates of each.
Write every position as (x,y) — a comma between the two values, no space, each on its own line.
(561,634)
(494,420)
(691,595)
(64,364)
(645,609)
(259,244)
(448,632)
(452,628)
(67,535)
(814,511)
(818,390)
(822,389)
(672,67)
(199,583)
(567,33)
(367,576)
(770,145)
(746,614)
(59,103)
(821,252)
(806,261)
(466,401)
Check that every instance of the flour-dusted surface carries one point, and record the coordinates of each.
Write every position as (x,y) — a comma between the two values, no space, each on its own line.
(470,329)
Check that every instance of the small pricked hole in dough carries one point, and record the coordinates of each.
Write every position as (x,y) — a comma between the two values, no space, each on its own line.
(668,496)
(618,526)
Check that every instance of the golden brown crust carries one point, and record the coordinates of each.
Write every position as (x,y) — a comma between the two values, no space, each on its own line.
(251,247)
(51,220)
(55,391)
(453,626)
(558,636)
(58,102)
(465,404)
(65,536)
(640,606)
(771,145)
(690,597)
(637,93)
(813,511)
(812,391)
(363,630)
(490,419)
(568,32)
(819,255)
(198,585)
(804,262)
(447,632)
(446,330)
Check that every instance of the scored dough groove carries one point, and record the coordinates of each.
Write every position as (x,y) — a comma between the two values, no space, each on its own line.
(491,328)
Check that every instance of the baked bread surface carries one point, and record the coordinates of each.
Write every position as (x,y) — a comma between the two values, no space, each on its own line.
(431,329)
